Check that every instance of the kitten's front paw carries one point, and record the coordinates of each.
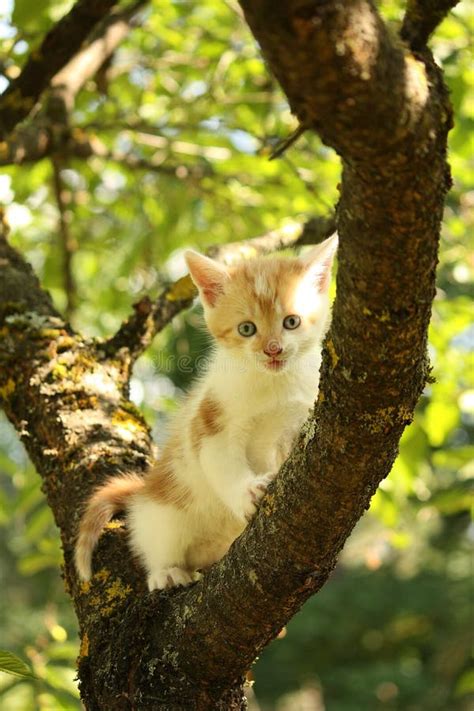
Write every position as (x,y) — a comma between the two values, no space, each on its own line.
(170,577)
(254,491)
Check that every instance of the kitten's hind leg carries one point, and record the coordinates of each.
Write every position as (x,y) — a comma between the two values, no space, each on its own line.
(158,535)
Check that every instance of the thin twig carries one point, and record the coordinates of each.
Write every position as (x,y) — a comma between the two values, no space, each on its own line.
(35,140)
(283,146)
(61,43)
(100,47)
(68,243)
(313,231)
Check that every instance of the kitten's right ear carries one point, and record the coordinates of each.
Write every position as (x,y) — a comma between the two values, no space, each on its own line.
(209,276)
(318,262)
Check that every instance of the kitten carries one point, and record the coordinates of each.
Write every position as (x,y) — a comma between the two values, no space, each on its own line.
(234,430)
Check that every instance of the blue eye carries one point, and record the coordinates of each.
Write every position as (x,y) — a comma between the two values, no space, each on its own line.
(291,322)
(247,328)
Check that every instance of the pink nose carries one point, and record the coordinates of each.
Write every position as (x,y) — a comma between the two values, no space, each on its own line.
(272,349)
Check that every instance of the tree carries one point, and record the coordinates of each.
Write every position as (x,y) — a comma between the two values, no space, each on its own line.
(68,395)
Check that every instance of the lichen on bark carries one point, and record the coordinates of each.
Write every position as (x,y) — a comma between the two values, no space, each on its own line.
(67,396)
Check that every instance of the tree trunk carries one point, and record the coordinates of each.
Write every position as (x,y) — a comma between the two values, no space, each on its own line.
(384,108)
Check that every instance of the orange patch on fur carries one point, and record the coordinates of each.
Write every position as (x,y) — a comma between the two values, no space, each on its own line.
(224,333)
(265,304)
(107,500)
(207,421)
(161,483)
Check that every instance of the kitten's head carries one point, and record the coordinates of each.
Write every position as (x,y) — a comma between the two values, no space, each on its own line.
(269,309)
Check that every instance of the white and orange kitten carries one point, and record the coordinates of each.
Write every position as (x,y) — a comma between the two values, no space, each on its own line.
(234,430)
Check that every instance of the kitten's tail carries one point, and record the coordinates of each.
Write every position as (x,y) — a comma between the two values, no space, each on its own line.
(103,504)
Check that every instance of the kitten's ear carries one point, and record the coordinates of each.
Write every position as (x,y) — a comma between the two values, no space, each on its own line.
(209,276)
(317,263)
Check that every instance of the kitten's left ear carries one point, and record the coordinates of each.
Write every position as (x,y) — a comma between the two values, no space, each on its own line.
(318,263)
(209,276)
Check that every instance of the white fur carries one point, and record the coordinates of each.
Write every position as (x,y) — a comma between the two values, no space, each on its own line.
(265,411)
(261,411)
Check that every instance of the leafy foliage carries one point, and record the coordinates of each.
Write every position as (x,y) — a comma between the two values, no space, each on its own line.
(11,664)
(188,95)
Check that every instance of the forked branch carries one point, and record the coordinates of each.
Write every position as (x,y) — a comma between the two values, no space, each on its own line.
(65,74)
(421,19)
(67,241)
(61,43)
(388,114)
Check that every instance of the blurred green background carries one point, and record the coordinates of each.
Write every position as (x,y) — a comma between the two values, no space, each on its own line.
(188,95)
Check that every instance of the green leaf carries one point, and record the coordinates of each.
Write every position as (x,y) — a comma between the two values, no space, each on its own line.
(11,664)
(465,684)
(31,15)
(440,419)
(458,497)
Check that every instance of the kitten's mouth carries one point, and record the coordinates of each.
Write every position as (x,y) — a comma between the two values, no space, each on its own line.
(275,364)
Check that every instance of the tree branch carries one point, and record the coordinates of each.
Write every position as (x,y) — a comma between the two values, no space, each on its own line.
(374,360)
(28,144)
(100,47)
(61,43)
(65,399)
(293,235)
(81,146)
(343,75)
(334,61)
(49,132)
(68,244)
(421,19)
(149,317)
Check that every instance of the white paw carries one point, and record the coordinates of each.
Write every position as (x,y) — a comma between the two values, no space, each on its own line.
(254,491)
(170,577)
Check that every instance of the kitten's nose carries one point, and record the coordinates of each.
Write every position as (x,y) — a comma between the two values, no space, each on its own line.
(272,349)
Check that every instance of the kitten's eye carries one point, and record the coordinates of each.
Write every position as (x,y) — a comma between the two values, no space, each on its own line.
(291,322)
(247,328)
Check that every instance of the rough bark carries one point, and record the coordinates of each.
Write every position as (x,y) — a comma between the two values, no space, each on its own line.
(50,133)
(385,110)
(100,46)
(422,18)
(61,43)
(27,145)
